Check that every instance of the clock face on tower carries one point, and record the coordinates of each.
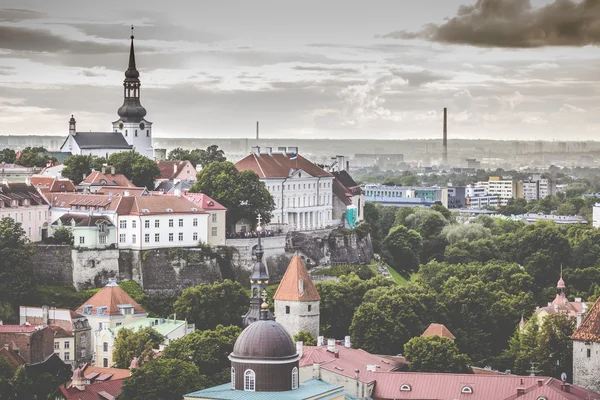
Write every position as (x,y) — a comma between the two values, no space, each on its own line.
(120,124)
(142,125)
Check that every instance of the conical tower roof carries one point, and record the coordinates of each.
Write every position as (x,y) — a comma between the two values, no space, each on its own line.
(296,284)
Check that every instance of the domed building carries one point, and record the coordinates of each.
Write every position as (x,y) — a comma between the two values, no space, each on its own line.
(264,365)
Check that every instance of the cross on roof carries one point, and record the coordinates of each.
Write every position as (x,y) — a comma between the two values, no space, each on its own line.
(259,219)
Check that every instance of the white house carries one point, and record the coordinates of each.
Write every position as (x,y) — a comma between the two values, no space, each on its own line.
(22,202)
(302,191)
(142,222)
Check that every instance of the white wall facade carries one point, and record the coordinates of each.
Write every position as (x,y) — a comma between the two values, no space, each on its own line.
(303,202)
(586,365)
(139,135)
(596,215)
(32,218)
(300,316)
(216,227)
(145,232)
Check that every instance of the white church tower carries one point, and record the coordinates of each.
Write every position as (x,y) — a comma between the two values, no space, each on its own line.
(136,130)
(297,300)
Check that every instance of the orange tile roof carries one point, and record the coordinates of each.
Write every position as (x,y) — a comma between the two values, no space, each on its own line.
(65,200)
(96,178)
(117,373)
(149,205)
(111,296)
(278,165)
(589,330)
(120,190)
(438,330)
(171,169)
(290,286)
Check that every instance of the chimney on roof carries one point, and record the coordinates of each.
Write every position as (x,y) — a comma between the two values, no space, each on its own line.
(565,387)
(175,165)
(256,150)
(331,345)
(125,193)
(104,169)
(540,382)
(356,373)
(320,341)
(341,163)
(299,348)
(316,370)
(292,150)
(45,315)
(28,181)
(281,150)
(269,150)
(520,391)
(112,170)
(347,343)
(177,192)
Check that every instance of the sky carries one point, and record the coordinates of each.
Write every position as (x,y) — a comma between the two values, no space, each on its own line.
(377,69)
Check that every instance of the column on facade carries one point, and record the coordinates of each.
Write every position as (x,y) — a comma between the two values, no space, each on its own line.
(300,216)
(312,220)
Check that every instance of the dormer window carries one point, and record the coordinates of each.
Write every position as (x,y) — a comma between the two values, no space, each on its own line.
(467,390)
(405,388)
(100,310)
(103,181)
(87,309)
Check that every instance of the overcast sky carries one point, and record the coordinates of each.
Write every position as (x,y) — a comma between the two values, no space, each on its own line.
(509,69)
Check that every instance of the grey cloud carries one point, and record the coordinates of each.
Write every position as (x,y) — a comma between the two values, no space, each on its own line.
(42,40)
(331,70)
(90,73)
(516,24)
(17,14)
(420,78)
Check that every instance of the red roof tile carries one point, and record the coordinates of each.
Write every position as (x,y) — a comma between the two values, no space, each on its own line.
(342,193)
(18,328)
(92,391)
(148,205)
(171,169)
(204,201)
(111,296)
(278,165)
(431,386)
(438,330)
(589,330)
(291,287)
(120,190)
(97,178)
(66,200)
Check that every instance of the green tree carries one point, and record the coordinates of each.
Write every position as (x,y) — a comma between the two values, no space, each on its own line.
(210,155)
(401,249)
(209,305)
(130,344)
(8,156)
(464,252)
(466,232)
(178,154)
(435,354)
(63,235)
(242,193)
(522,348)
(140,170)
(340,299)
(6,370)
(555,345)
(34,157)
(16,274)
(306,338)
(208,350)
(77,166)
(162,379)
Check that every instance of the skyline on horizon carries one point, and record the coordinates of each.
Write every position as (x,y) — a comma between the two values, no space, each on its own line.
(378,71)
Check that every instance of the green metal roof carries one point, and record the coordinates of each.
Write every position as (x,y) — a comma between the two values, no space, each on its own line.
(164,328)
(306,390)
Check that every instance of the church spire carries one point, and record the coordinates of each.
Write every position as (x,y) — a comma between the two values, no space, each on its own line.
(131,110)
(132,71)
(259,282)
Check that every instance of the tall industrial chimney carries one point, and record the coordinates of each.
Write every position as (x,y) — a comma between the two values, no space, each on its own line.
(256,130)
(445,155)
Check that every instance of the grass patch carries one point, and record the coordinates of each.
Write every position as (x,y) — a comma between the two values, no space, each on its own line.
(399,279)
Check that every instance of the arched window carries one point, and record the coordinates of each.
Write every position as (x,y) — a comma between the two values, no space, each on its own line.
(295,378)
(466,389)
(287,309)
(249,380)
(255,292)
(405,388)
(233,378)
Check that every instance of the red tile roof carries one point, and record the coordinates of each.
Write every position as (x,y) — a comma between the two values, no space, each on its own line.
(204,201)
(60,332)
(120,190)
(18,328)
(348,360)
(97,178)
(93,390)
(171,169)
(438,330)
(589,330)
(290,287)
(148,205)
(342,193)
(278,165)
(111,296)
(66,200)
(430,386)
(115,373)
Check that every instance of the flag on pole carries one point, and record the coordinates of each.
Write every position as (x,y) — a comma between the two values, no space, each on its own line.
(293,156)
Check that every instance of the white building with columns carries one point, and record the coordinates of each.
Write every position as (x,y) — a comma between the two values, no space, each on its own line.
(302,191)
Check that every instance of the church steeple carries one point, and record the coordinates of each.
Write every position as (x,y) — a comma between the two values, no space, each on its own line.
(131,110)
(259,281)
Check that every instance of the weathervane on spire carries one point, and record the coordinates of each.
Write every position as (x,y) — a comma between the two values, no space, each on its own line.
(132,32)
